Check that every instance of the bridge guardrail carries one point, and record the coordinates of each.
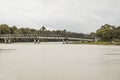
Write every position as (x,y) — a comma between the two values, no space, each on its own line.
(42,35)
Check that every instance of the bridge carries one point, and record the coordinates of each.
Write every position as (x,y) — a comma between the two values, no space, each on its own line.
(36,37)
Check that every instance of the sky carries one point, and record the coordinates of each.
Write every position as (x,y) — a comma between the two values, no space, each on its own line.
(82,16)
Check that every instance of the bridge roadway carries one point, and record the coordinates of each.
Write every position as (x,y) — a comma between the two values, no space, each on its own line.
(7,37)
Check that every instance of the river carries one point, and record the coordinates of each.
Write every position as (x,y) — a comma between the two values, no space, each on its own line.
(57,61)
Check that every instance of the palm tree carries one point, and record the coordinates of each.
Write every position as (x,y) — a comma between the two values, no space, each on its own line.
(43,28)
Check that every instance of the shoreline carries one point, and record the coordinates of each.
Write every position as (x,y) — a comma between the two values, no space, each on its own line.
(96,43)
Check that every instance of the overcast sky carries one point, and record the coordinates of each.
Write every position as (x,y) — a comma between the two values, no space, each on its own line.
(74,15)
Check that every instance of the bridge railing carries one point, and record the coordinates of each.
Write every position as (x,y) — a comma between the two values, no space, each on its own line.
(43,35)
(29,35)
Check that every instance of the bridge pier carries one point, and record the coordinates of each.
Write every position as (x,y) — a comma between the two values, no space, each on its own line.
(7,41)
(65,41)
(36,41)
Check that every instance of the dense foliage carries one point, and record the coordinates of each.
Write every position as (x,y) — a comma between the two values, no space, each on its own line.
(104,33)
(108,33)
(5,29)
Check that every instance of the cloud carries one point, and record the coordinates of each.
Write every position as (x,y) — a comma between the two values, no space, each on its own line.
(74,15)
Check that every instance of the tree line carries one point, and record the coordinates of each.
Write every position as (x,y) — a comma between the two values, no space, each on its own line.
(104,33)
(108,33)
(6,29)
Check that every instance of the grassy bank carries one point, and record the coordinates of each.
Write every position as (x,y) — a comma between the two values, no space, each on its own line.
(97,43)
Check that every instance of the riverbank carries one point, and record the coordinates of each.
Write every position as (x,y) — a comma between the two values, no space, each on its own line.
(96,43)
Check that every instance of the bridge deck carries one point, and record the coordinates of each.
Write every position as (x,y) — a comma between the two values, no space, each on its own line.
(44,36)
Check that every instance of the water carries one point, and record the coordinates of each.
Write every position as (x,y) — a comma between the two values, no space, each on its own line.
(57,61)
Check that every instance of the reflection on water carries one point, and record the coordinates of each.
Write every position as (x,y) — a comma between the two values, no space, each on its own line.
(57,61)
(4,51)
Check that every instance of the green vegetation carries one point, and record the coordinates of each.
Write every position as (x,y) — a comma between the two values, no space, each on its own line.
(106,34)
(5,29)
(97,43)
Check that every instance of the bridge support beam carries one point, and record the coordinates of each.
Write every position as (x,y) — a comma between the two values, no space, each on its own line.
(5,41)
(65,41)
(9,41)
(36,41)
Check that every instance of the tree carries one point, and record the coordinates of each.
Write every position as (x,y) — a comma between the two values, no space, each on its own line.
(43,28)
(13,30)
(25,31)
(4,29)
(105,32)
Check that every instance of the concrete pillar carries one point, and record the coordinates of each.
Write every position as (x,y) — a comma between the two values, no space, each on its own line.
(95,40)
(9,41)
(82,41)
(5,41)
(38,41)
(35,41)
(63,41)
(66,41)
